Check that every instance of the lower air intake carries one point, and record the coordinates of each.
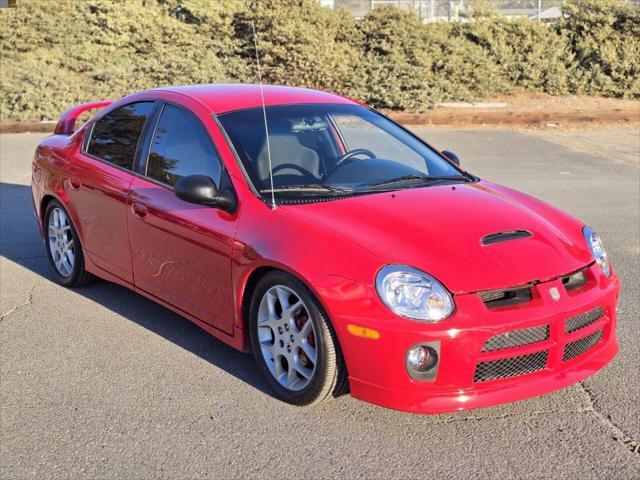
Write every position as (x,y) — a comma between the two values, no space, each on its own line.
(577,348)
(517,338)
(584,319)
(510,367)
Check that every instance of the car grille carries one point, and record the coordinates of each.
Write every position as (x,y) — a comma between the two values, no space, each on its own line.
(574,281)
(502,298)
(583,320)
(583,345)
(510,367)
(517,338)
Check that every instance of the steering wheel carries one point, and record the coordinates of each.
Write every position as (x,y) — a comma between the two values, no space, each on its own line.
(293,166)
(353,153)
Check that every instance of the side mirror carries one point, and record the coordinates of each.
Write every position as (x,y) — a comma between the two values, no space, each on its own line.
(451,156)
(202,190)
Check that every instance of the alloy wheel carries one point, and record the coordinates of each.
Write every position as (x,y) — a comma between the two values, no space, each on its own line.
(61,242)
(287,337)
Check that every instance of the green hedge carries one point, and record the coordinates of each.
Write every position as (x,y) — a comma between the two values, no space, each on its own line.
(409,66)
(604,36)
(56,54)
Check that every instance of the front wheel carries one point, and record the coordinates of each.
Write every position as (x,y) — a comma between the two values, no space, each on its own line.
(293,342)
(63,247)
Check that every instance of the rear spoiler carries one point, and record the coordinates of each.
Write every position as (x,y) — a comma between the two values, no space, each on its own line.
(67,120)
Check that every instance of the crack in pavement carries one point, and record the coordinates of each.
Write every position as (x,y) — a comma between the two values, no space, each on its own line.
(617,433)
(17,307)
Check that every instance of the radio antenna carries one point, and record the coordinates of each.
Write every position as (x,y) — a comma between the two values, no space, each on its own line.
(264,114)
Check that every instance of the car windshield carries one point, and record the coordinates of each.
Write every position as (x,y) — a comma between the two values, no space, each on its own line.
(331,150)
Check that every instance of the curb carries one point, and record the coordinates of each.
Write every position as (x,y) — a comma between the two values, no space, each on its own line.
(510,118)
(27,127)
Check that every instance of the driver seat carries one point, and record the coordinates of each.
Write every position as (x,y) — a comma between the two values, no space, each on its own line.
(287,148)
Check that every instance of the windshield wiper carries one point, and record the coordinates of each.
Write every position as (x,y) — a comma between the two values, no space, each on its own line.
(411,178)
(311,188)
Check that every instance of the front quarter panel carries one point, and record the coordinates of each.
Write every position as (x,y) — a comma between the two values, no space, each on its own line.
(276,238)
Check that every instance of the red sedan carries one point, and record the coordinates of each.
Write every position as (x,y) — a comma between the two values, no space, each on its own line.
(341,249)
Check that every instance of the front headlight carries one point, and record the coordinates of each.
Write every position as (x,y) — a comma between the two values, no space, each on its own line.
(413,294)
(597,249)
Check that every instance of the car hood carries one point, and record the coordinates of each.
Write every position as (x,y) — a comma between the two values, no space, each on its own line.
(438,229)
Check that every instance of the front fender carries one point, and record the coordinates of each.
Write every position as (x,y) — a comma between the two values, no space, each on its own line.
(277,239)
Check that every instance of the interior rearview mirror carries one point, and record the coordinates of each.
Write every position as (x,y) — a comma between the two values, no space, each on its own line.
(202,190)
(451,156)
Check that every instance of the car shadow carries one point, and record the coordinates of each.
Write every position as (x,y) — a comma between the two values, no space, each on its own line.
(20,243)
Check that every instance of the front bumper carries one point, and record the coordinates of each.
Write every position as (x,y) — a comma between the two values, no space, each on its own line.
(377,371)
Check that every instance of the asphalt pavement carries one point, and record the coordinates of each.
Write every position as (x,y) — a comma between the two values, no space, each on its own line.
(99,382)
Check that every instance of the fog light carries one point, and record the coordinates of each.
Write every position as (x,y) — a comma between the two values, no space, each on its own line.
(422,361)
(418,358)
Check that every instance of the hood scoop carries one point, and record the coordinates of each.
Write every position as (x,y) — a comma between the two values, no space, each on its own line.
(505,236)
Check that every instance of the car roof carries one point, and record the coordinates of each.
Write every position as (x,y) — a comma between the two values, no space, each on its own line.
(220,98)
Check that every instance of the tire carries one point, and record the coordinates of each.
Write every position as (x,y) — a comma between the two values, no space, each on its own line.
(274,328)
(68,270)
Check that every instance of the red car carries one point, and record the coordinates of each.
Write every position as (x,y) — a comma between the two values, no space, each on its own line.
(341,249)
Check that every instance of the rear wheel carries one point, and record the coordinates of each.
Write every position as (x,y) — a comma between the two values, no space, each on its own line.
(63,247)
(293,342)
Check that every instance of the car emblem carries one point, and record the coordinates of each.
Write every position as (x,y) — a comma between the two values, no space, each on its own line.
(555,293)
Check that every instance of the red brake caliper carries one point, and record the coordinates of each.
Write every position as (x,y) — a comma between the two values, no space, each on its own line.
(300,321)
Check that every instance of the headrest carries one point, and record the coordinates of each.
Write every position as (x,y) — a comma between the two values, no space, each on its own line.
(310,123)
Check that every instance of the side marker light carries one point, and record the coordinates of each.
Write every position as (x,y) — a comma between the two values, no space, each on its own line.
(363,332)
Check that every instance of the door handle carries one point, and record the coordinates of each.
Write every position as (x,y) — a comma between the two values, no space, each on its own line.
(74,183)
(139,210)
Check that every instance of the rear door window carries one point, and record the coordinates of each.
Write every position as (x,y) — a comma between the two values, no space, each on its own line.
(115,136)
(181,146)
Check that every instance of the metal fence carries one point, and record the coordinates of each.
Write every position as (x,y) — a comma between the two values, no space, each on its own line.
(458,10)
